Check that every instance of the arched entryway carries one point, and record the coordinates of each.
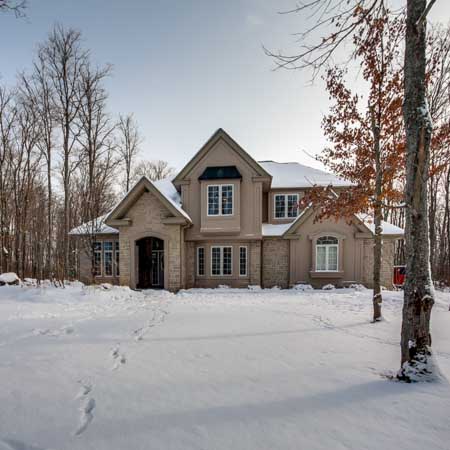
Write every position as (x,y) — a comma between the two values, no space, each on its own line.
(150,263)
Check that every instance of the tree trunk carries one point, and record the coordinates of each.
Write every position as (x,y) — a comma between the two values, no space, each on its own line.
(419,295)
(378,215)
(49,216)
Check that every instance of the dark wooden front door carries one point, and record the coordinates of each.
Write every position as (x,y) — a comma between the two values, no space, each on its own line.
(151,263)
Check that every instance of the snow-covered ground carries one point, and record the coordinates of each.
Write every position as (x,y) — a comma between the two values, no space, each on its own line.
(86,368)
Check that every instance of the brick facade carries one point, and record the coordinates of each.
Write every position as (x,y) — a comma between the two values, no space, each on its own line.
(387,263)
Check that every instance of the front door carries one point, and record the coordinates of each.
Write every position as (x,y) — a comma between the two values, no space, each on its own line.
(151,263)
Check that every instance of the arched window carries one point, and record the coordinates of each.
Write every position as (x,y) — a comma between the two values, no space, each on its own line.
(327,254)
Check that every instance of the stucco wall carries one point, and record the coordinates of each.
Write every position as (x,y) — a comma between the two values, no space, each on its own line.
(302,255)
(271,204)
(275,263)
(146,216)
(247,205)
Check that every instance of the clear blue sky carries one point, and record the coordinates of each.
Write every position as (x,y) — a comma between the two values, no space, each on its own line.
(186,68)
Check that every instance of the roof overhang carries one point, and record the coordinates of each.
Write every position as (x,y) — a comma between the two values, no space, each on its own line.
(117,216)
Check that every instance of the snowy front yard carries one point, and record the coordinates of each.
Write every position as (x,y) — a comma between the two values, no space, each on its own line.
(85,368)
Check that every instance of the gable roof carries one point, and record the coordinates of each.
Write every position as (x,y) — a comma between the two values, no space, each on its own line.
(217,136)
(96,226)
(389,229)
(164,190)
(295,175)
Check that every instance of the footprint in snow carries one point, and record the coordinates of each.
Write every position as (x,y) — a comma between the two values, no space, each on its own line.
(53,333)
(118,358)
(13,444)
(86,416)
(85,389)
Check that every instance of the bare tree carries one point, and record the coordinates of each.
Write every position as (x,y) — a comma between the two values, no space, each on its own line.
(15,6)
(64,59)
(128,145)
(40,92)
(153,170)
(98,155)
(8,113)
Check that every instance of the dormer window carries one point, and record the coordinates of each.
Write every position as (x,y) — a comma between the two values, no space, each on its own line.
(286,206)
(220,200)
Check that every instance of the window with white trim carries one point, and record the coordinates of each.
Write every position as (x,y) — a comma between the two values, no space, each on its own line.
(286,206)
(221,260)
(220,200)
(117,258)
(243,261)
(107,259)
(97,259)
(327,249)
(200,261)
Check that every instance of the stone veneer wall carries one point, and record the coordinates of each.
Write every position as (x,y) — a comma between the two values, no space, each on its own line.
(190,262)
(146,216)
(255,263)
(275,263)
(387,263)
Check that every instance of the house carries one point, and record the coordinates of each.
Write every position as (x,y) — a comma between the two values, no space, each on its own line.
(227,219)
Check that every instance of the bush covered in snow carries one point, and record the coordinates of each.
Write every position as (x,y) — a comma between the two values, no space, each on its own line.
(303,287)
(9,278)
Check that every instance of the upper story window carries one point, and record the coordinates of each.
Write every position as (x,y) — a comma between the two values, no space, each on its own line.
(327,254)
(220,200)
(286,206)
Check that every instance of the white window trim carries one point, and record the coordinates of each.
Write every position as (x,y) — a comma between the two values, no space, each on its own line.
(221,274)
(285,206)
(112,251)
(116,266)
(198,262)
(220,200)
(101,258)
(327,246)
(246,261)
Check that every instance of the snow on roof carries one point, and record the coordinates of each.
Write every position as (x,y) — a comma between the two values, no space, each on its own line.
(96,226)
(269,229)
(295,175)
(388,228)
(169,191)
(278,229)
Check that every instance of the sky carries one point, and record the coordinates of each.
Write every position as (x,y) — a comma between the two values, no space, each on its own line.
(185,68)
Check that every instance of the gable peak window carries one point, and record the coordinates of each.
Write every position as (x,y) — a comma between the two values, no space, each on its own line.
(286,206)
(327,252)
(220,199)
